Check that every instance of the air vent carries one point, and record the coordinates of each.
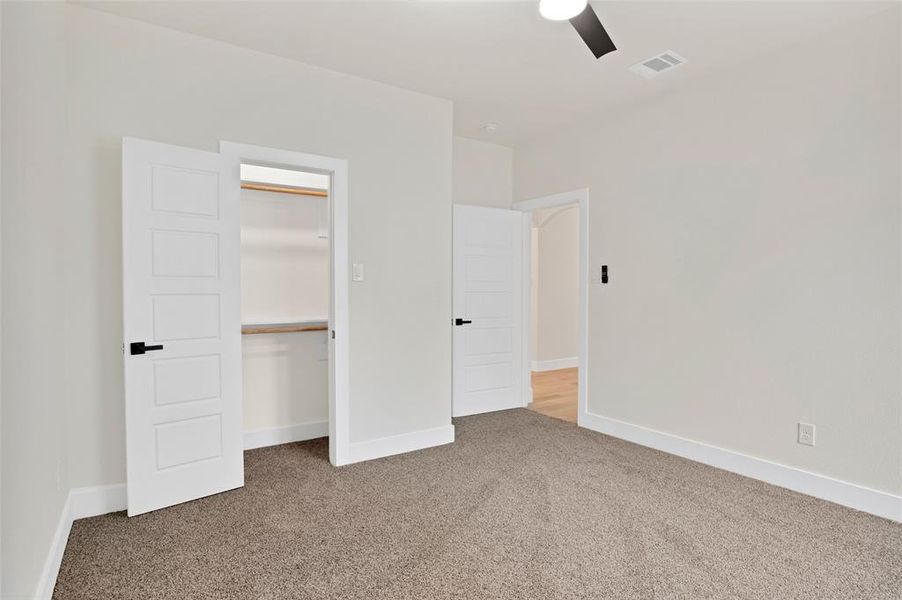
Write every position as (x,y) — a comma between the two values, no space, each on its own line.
(654,66)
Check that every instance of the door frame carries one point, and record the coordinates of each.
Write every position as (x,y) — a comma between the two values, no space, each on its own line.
(578,197)
(339,311)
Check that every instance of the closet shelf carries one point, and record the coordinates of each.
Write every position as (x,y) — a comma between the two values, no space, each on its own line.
(250,329)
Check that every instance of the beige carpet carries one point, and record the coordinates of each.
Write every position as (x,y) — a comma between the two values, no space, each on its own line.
(521,506)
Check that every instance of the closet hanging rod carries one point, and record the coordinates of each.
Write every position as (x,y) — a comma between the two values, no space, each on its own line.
(283,189)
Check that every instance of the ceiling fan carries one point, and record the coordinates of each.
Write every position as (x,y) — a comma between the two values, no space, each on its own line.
(584,20)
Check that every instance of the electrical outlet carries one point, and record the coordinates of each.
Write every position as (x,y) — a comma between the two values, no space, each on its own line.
(806,434)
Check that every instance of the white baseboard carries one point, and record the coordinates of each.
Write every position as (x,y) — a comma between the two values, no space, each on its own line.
(54,558)
(97,500)
(80,503)
(399,444)
(875,502)
(260,438)
(555,364)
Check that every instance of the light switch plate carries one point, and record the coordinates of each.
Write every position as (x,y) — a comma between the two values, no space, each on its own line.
(357,272)
(806,434)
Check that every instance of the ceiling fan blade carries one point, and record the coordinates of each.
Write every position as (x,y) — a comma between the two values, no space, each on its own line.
(593,33)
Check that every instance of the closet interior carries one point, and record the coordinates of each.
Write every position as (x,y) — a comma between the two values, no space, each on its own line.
(285,283)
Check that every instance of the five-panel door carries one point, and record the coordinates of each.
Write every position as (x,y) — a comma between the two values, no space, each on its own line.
(488,309)
(181,282)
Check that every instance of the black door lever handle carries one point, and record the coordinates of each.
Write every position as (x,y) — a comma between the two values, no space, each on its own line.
(461,322)
(141,348)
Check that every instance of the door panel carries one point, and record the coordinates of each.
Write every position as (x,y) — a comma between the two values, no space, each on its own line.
(180,243)
(488,259)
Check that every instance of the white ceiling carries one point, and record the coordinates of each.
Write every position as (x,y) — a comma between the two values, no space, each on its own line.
(500,61)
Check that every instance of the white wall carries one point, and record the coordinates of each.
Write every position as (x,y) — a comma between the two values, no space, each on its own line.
(557,293)
(284,278)
(751,221)
(482,173)
(34,462)
(119,77)
(62,293)
(533,296)
(284,262)
(1,307)
(127,77)
(286,380)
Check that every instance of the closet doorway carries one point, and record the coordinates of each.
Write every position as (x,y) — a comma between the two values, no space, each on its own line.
(186,312)
(284,304)
(294,296)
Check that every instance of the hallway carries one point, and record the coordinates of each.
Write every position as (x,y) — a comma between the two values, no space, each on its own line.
(554,393)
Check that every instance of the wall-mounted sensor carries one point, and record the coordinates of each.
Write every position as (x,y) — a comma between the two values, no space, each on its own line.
(357,272)
(604,273)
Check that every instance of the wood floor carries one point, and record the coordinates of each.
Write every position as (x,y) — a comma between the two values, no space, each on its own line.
(554,393)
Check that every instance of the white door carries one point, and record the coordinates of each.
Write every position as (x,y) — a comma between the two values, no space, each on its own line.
(488,305)
(182,324)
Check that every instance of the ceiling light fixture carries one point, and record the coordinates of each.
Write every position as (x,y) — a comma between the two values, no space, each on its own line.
(490,127)
(561,10)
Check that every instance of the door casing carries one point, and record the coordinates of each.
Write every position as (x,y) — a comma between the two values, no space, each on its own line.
(339,307)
